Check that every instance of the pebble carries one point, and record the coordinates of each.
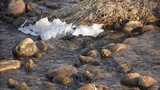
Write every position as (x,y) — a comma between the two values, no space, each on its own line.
(119,47)
(63,74)
(146,81)
(23,86)
(30,65)
(131,79)
(88,87)
(106,53)
(131,26)
(26,47)
(6,65)
(88,60)
(12,82)
(149,28)
(92,86)
(42,45)
(16,7)
(92,53)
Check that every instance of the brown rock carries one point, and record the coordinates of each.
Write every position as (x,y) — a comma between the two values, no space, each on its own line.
(146,81)
(91,86)
(42,45)
(30,65)
(16,7)
(92,53)
(88,87)
(105,53)
(102,87)
(63,74)
(12,82)
(23,86)
(27,47)
(87,60)
(6,65)
(149,28)
(131,79)
(119,47)
(132,25)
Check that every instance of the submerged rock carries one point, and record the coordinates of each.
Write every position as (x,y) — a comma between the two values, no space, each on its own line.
(92,53)
(131,26)
(26,47)
(23,86)
(12,82)
(146,82)
(131,79)
(6,65)
(63,74)
(106,53)
(16,7)
(30,65)
(119,47)
(88,60)
(88,87)
(92,86)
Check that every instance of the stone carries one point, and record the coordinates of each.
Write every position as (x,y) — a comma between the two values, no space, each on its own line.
(92,86)
(149,28)
(119,47)
(12,82)
(131,26)
(88,60)
(6,65)
(26,47)
(92,53)
(106,53)
(131,79)
(102,87)
(146,81)
(88,87)
(42,45)
(63,74)
(16,7)
(88,75)
(23,86)
(30,65)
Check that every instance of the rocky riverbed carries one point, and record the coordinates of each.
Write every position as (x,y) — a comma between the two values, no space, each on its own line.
(118,59)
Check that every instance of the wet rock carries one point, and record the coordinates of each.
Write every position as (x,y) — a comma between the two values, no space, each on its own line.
(6,65)
(29,6)
(102,87)
(92,53)
(88,75)
(91,86)
(16,7)
(146,82)
(88,60)
(132,26)
(149,28)
(63,74)
(27,48)
(119,47)
(42,45)
(12,82)
(30,65)
(23,86)
(88,87)
(131,79)
(39,55)
(106,53)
